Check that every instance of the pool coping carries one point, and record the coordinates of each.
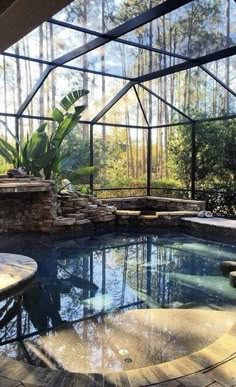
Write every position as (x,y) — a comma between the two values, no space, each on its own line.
(16,270)
(206,363)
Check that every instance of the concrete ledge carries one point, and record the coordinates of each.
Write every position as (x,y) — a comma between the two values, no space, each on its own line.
(155,198)
(215,229)
(127,212)
(156,204)
(23,185)
(176,213)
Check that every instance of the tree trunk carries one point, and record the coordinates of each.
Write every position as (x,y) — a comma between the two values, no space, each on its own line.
(19,90)
(5,93)
(41,54)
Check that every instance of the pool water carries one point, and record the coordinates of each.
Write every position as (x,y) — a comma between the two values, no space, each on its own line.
(87,289)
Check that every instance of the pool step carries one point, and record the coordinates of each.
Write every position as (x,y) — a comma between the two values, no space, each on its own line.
(127,213)
(148,217)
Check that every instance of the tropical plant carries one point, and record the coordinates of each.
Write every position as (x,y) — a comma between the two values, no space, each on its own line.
(41,154)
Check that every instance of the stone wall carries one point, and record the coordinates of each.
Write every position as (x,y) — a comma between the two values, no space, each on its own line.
(155,204)
(27,211)
(76,212)
(33,205)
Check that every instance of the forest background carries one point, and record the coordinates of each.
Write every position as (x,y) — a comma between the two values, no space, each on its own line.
(120,153)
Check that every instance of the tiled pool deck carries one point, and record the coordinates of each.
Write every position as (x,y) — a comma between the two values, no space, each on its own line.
(213,366)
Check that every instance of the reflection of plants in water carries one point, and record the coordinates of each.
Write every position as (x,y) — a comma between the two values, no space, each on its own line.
(41,303)
(128,270)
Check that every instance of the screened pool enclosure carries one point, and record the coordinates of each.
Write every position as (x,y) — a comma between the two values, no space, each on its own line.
(161,108)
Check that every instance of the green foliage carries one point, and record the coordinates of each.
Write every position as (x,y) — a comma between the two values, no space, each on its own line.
(8,152)
(41,154)
(215,154)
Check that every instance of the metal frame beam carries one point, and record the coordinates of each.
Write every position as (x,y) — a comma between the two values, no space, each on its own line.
(35,60)
(221,54)
(149,144)
(91,160)
(167,103)
(193,159)
(141,107)
(221,118)
(218,80)
(112,102)
(142,46)
(118,40)
(122,29)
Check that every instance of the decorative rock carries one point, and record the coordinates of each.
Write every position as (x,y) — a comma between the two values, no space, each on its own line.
(227,266)
(83,221)
(64,222)
(205,214)
(232,279)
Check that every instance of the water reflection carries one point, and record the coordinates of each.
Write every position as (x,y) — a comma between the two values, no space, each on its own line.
(87,277)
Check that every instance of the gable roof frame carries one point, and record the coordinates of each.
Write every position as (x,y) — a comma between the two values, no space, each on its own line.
(128,26)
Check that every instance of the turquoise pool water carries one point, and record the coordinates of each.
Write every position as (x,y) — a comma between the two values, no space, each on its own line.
(87,278)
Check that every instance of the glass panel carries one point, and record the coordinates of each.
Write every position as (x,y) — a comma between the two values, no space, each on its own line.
(7,132)
(224,69)
(216,165)
(102,15)
(195,93)
(126,111)
(196,29)
(121,156)
(123,60)
(7,128)
(157,112)
(16,80)
(49,41)
(171,161)
(61,81)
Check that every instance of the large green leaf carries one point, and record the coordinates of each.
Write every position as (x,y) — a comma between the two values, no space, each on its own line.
(47,159)
(57,115)
(77,174)
(37,146)
(42,127)
(65,127)
(80,109)
(24,157)
(8,152)
(69,100)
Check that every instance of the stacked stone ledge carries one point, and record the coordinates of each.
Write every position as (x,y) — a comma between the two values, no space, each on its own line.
(77,211)
(32,204)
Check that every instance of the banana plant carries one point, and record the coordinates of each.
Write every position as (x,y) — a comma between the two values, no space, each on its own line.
(40,154)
